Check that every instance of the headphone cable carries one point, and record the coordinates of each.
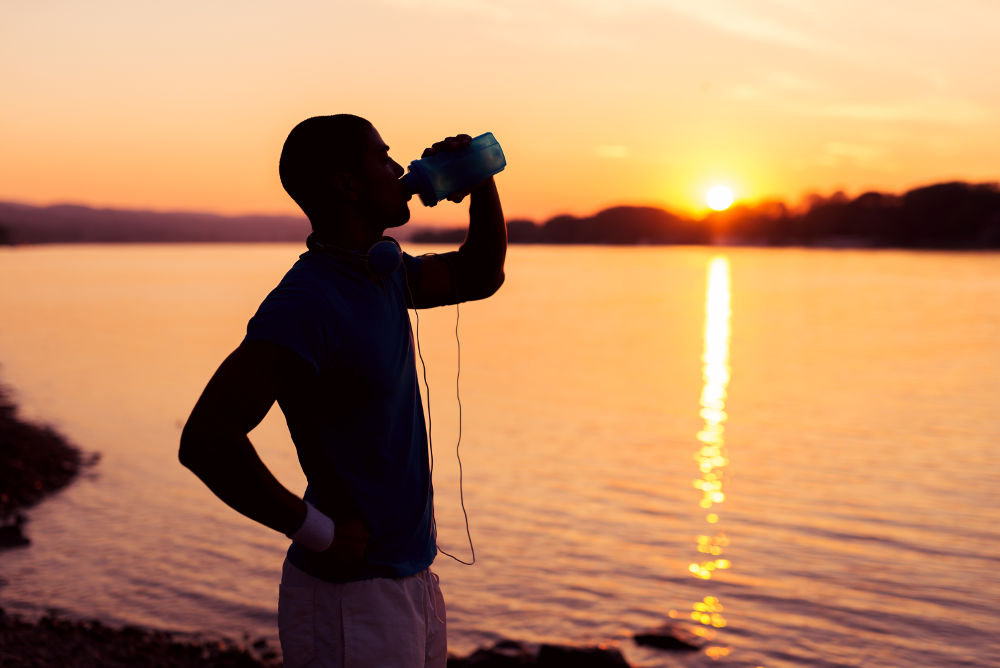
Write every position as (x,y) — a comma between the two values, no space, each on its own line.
(430,429)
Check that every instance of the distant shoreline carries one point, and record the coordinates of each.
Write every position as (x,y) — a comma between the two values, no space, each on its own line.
(942,216)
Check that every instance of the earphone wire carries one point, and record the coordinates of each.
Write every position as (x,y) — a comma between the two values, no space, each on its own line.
(427,390)
(430,430)
(458,444)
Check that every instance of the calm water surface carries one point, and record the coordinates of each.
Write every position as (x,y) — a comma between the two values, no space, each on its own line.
(793,450)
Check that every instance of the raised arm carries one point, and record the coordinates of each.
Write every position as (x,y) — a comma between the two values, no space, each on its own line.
(476,269)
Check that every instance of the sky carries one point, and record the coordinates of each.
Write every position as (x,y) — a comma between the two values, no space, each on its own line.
(185,105)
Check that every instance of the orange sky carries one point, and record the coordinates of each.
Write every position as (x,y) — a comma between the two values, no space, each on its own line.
(184,105)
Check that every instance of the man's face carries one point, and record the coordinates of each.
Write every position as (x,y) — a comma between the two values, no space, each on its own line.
(382,198)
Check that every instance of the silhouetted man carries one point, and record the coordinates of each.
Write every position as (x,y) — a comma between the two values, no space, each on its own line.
(332,345)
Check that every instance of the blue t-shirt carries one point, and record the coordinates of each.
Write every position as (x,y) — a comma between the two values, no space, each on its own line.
(373,460)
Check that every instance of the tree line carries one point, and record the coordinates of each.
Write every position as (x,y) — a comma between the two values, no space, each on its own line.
(953,215)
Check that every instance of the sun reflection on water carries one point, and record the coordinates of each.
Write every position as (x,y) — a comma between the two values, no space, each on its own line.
(711,456)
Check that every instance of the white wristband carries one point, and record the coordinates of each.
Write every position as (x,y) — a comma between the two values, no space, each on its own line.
(316,532)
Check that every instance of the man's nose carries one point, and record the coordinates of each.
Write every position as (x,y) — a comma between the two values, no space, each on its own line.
(398,169)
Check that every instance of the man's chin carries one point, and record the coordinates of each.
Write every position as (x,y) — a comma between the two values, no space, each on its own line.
(403,219)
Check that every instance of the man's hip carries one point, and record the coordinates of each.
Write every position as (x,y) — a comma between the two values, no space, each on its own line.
(397,622)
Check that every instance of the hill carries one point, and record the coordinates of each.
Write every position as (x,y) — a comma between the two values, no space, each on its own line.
(26,224)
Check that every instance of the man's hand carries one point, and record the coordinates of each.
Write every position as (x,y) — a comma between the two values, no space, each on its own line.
(350,542)
(450,144)
(475,271)
(350,539)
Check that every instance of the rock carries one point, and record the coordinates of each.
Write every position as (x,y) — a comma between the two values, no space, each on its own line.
(557,656)
(56,641)
(671,637)
(34,462)
(12,533)
(504,654)
(511,654)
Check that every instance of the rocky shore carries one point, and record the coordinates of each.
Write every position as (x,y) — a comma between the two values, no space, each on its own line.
(54,641)
(36,461)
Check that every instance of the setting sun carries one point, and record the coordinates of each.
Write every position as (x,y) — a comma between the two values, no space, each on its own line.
(719,198)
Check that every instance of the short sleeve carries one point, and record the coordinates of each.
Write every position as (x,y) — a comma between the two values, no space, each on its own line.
(294,317)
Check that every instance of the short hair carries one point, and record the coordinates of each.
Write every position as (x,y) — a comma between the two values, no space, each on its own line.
(315,149)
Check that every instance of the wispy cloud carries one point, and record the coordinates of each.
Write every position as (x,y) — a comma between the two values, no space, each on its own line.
(859,155)
(788,92)
(780,84)
(935,110)
(740,19)
(758,21)
(490,11)
(612,151)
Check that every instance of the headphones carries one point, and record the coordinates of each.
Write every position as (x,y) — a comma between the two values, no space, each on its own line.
(382,259)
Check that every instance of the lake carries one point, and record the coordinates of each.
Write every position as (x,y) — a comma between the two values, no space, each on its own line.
(793,450)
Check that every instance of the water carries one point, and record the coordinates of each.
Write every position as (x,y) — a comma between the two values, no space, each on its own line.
(838,409)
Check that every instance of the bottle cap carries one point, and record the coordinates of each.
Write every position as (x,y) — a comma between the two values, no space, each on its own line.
(416,182)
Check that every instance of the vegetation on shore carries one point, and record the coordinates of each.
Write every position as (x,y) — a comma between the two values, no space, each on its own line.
(953,215)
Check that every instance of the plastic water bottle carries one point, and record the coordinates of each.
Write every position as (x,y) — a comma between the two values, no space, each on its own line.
(443,174)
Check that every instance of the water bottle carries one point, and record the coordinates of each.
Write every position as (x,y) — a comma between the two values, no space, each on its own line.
(443,174)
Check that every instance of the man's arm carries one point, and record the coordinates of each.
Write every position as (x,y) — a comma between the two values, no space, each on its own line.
(214,443)
(475,270)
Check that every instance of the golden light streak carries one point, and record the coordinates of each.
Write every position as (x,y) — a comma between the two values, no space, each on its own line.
(711,456)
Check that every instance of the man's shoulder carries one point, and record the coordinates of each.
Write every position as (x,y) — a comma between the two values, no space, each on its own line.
(300,313)
(310,269)
(309,277)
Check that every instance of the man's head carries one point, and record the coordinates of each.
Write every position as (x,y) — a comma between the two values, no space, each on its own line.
(338,170)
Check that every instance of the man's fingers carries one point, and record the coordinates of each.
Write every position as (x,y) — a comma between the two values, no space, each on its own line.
(447,144)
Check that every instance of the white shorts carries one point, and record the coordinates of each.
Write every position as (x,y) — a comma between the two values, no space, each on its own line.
(378,623)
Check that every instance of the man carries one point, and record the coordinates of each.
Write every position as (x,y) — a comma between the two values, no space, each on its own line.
(332,345)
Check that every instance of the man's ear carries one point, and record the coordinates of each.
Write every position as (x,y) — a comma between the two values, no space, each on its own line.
(345,185)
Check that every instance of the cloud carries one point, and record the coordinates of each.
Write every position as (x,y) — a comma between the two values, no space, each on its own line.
(487,11)
(778,84)
(592,17)
(613,151)
(860,155)
(738,19)
(791,93)
(940,110)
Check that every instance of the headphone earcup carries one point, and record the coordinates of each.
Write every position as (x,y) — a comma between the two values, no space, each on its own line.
(384,257)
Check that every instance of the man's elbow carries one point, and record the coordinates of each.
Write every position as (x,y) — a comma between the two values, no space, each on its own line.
(494,285)
(193,447)
(487,286)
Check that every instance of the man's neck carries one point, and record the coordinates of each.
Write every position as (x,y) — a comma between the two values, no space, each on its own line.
(345,233)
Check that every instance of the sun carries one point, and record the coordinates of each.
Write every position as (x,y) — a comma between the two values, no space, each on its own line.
(719,198)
